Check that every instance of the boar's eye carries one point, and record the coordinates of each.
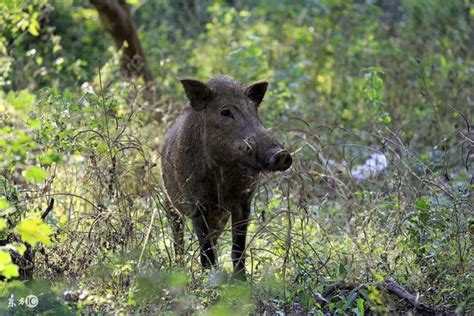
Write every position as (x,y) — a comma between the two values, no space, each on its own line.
(227,113)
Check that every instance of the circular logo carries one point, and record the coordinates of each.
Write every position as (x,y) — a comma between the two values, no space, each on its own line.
(31,301)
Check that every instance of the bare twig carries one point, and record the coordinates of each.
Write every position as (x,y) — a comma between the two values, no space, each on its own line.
(48,209)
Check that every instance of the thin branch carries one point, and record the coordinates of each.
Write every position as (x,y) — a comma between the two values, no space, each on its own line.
(48,209)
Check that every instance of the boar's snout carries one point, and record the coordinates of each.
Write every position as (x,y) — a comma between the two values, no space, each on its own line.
(259,156)
(280,161)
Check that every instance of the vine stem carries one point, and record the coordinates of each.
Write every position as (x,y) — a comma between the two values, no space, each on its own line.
(148,232)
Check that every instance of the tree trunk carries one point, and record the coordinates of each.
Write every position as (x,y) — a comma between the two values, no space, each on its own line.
(117,20)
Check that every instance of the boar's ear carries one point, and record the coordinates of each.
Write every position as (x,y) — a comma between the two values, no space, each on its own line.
(197,92)
(256,91)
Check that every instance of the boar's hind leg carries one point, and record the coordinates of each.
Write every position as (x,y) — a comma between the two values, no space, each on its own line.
(177,225)
(239,233)
(208,253)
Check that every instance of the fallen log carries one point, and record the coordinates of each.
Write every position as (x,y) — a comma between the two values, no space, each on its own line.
(394,288)
(389,286)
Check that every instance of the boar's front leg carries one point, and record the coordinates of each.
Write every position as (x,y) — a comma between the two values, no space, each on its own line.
(239,233)
(207,251)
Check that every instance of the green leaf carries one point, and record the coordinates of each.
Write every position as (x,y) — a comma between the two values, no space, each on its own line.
(5,259)
(35,174)
(7,3)
(11,271)
(378,277)
(422,205)
(49,158)
(22,100)
(34,123)
(360,306)
(33,230)
(3,204)
(7,268)
(3,224)
(33,29)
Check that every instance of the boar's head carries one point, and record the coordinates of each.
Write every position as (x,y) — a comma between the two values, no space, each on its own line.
(231,131)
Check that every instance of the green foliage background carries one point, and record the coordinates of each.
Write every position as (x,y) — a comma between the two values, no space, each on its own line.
(347,79)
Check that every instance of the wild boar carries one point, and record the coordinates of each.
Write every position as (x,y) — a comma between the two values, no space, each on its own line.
(211,159)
